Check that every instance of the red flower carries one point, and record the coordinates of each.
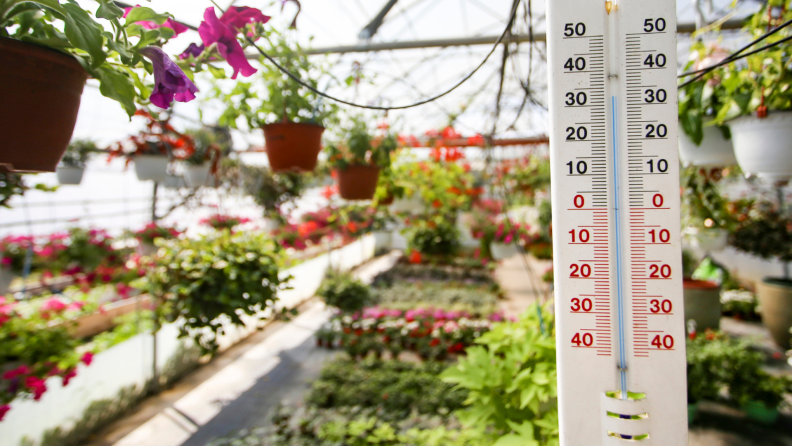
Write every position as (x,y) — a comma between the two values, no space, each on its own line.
(437,204)
(68,376)
(3,410)
(87,358)
(19,371)
(415,257)
(330,191)
(477,140)
(434,342)
(352,226)
(36,385)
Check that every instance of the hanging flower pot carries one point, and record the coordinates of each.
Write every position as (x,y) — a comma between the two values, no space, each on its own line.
(358,182)
(763,147)
(714,151)
(41,90)
(69,175)
(173,181)
(502,251)
(197,175)
(293,146)
(775,300)
(151,167)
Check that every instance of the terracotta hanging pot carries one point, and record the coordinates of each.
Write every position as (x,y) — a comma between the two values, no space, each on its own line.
(293,146)
(358,182)
(40,90)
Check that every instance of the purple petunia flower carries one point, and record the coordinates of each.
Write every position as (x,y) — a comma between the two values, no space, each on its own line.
(192,50)
(237,17)
(213,31)
(171,82)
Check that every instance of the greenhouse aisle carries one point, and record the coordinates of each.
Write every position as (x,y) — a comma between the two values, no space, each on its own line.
(239,389)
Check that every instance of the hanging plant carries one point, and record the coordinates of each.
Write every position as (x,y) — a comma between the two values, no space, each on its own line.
(358,158)
(72,165)
(292,117)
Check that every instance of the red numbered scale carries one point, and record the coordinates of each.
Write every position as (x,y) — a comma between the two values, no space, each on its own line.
(618,280)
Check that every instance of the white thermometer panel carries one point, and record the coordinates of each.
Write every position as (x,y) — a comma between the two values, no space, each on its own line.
(618,272)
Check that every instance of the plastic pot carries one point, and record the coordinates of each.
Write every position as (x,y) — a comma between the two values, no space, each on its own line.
(757,411)
(41,90)
(197,176)
(173,181)
(151,167)
(775,301)
(714,151)
(763,147)
(709,240)
(702,303)
(293,146)
(70,175)
(358,182)
(693,409)
(501,251)
(6,277)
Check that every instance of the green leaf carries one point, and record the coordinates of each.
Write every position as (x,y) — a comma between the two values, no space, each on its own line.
(84,33)
(115,85)
(147,37)
(108,10)
(6,6)
(218,73)
(143,14)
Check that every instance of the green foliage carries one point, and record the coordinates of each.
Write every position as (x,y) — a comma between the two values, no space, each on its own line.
(393,388)
(438,274)
(209,143)
(79,152)
(762,78)
(345,292)
(475,300)
(699,101)
(511,378)
(360,144)
(762,230)
(13,184)
(444,187)
(703,206)
(273,96)
(270,190)
(225,275)
(433,235)
(108,57)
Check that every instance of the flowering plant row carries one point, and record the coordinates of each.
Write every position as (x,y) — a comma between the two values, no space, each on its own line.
(432,333)
(35,344)
(222,222)
(348,222)
(153,231)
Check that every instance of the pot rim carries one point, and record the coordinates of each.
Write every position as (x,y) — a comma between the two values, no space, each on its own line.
(777,281)
(65,55)
(699,284)
(753,118)
(287,123)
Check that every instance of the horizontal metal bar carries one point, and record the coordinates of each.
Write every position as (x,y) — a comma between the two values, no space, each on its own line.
(682,28)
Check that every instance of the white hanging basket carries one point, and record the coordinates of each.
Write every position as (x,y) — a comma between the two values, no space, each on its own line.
(151,168)
(6,277)
(714,151)
(764,146)
(173,181)
(502,251)
(68,175)
(708,240)
(197,176)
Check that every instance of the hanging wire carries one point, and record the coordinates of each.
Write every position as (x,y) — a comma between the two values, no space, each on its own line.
(397,107)
(737,55)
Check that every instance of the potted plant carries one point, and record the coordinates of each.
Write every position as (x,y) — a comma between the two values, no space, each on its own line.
(72,165)
(704,210)
(763,230)
(701,297)
(291,116)
(359,158)
(343,291)
(150,233)
(701,142)
(202,156)
(757,100)
(224,222)
(272,191)
(152,148)
(50,49)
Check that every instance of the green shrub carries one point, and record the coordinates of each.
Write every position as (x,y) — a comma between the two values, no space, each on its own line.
(343,291)
(436,236)
(405,296)
(512,381)
(200,280)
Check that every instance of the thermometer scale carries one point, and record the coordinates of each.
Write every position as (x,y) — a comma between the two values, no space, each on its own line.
(618,280)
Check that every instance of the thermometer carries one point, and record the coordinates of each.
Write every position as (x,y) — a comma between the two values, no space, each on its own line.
(616,223)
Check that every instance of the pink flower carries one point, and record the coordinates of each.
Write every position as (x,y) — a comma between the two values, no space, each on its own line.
(68,376)
(36,385)
(177,27)
(3,410)
(237,17)
(87,358)
(213,31)
(5,261)
(55,305)
(75,306)
(19,371)
(192,50)
(508,238)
